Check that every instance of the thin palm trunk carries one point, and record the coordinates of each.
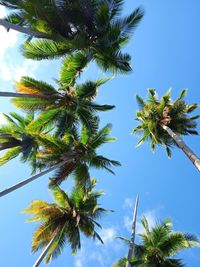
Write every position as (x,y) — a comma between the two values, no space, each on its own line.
(46,250)
(10,94)
(188,152)
(132,243)
(30,179)
(8,25)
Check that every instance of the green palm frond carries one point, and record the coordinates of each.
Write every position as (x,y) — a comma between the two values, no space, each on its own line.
(81,175)
(71,68)
(10,154)
(61,198)
(101,162)
(129,23)
(102,137)
(27,83)
(45,118)
(32,104)
(45,49)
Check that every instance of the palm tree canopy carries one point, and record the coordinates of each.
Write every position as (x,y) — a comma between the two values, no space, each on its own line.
(67,218)
(99,29)
(159,245)
(15,137)
(69,104)
(82,148)
(154,113)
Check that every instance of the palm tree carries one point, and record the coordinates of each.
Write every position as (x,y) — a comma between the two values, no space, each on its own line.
(16,139)
(164,121)
(84,149)
(70,104)
(159,246)
(73,154)
(100,30)
(63,221)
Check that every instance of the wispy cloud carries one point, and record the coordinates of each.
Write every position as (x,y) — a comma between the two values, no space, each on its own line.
(5,72)
(108,234)
(151,216)
(28,68)
(128,203)
(96,254)
(7,40)
(2,119)
(10,72)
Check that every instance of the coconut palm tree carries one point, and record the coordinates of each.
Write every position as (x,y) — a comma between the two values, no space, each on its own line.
(164,121)
(100,31)
(17,140)
(159,246)
(63,221)
(69,104)
(73,154)
(84,148)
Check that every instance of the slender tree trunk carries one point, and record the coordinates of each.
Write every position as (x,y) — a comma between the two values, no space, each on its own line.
(10,94)
(132,243)
(46,250)
(8,25)
(30,179)
(188,152)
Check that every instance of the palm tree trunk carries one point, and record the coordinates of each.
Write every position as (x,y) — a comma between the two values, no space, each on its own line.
(45,251)
(132,243)
(8,25)
(188,152)
(30,179)
(10,94)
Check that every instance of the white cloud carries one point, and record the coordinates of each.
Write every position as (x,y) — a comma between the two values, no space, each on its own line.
(94,254)
(27,68)
(150,216)
(127,223)
(2,119)
(7,40)
(9,72)
(2,11)
(98,257)
(78,263)
(5,72)
(108,235)
(128,203)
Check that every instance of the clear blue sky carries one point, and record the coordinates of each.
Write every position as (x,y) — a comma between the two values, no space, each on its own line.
(165,53)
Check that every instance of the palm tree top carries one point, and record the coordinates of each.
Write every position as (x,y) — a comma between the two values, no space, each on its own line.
(159,245)
(82,148)
(101,30)
(69,104)
(155,112)
(66,217)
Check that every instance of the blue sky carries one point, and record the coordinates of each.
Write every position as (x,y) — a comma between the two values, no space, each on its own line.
(165,53)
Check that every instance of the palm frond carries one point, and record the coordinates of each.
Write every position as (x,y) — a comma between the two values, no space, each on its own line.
(71,68)
(45,49)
